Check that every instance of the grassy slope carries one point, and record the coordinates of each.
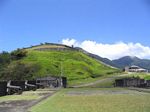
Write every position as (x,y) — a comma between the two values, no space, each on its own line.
(95,100)
(145,76)
(28,95)
(76,65)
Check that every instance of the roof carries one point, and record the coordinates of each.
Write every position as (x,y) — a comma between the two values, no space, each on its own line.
(134,66)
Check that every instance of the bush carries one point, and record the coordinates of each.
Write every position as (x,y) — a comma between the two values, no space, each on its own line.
(18,54)
(20,71)
(5,58)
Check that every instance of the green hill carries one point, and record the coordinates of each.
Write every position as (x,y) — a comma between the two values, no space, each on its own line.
(57,60)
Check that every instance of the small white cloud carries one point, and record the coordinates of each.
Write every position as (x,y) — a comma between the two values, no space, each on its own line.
(70,42)
(111,51)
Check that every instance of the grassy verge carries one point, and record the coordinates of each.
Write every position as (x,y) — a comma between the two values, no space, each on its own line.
(28,95)
(89,80)
(95,100)
(104,84)
(145,76)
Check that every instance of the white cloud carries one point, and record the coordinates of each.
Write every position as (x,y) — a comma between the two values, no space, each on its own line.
(111,51)
(70,42)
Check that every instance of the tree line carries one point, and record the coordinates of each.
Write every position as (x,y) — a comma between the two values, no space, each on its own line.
(11,68)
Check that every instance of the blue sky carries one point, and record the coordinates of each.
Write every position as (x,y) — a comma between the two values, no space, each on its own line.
(30,22)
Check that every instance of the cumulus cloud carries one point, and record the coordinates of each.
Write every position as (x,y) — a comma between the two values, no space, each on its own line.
(111,51)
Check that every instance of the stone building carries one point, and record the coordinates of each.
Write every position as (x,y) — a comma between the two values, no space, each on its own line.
(135,68)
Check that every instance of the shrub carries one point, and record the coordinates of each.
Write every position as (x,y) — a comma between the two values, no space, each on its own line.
(5,58)
(18,54)
(20,71)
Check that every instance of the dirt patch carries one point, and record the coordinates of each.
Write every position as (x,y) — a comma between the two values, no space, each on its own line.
(12,110)
(104,92)
(23,105)
(14,106)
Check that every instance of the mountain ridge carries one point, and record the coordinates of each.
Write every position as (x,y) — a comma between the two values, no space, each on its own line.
(130,60)
(122,62)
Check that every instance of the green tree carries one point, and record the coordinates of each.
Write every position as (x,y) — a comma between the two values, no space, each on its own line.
(5,58)
(18,54)
(20,71)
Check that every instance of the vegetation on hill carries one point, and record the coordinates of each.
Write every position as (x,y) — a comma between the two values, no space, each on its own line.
(72,64)
(75,65)
(104,60)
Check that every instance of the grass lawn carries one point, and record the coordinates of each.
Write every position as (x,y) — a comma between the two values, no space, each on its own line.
(89,80)
(104,84)
(142,75)
(145,76)
(95,100)
(27,95)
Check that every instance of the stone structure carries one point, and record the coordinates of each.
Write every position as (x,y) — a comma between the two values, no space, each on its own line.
(134,68)
(3,88)
(17,87)
(132,82)
(30,85)
(11,89)
(52,82)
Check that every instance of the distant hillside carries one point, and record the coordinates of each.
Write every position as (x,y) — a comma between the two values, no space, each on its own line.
(122,62)
(128,61)
(57,60)
(103,60)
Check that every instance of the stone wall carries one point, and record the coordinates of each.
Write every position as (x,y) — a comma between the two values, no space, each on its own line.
(11,87)
(18,83)
(132,82)
(3,88)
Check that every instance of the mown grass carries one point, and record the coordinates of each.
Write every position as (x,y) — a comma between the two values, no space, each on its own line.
(46,46)
(104,84)
(27,95)
(75,65)
(145,76)
(95,100)
(89,80)
(30,95)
